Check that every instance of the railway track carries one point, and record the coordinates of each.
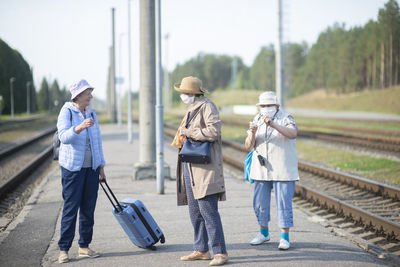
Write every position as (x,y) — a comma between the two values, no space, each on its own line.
(366,208)
(20,167)
(383,139)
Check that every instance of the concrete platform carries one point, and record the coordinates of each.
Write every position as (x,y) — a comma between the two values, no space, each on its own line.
(312,244)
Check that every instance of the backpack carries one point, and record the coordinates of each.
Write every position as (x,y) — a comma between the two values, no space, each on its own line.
(57,142)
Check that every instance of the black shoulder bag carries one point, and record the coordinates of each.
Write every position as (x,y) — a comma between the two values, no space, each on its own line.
(195,151)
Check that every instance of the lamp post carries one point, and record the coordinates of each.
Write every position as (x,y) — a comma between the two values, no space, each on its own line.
(167,95)
(28,98)
(12,81)
(1,100)
(129,76)
(120,82)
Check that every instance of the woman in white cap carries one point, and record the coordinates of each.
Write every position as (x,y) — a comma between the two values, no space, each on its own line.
(201,186)
(82,167)
(272,135)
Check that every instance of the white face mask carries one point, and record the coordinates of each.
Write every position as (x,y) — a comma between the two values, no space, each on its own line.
(269,111)
(187,99)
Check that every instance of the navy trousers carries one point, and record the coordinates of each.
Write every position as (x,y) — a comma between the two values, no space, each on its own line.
(79,191)
(205,219)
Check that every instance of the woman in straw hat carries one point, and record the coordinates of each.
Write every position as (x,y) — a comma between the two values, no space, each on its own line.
(201,186)
(272,134)
(82,167)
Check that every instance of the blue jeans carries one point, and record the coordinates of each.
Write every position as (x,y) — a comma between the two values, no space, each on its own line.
(284,192)
(79,191)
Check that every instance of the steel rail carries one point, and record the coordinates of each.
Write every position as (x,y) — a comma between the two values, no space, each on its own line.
(16,179)
(357,130)
(359,215)
(350,179)
(8,151)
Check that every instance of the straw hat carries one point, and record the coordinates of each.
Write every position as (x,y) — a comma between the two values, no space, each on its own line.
(190,85)
(268,98)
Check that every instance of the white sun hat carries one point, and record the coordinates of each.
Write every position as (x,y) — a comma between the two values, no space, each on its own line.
(268,98)
(78,88)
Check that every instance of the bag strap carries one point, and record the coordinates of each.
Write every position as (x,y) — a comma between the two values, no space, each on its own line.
(189,118)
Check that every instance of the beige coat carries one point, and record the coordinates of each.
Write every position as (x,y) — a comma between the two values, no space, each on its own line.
(278,151)
(207,179)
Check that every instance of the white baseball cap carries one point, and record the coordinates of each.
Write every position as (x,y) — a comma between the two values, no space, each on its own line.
(78,88)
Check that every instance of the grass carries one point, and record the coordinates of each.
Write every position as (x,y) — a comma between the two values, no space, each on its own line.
(378,169)
(381,170)
(381,101)
(11,131)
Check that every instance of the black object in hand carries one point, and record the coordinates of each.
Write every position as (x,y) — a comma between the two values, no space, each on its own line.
(261,160)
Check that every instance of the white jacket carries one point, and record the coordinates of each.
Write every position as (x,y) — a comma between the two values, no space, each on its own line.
(278,151)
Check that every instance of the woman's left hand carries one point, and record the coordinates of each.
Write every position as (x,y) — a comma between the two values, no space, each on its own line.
(182,131)
(267,120)
(102,175)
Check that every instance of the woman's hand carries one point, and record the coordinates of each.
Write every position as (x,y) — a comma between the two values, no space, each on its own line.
(268,121)
(182,131)
(86,123)
(102,175)
(253,127)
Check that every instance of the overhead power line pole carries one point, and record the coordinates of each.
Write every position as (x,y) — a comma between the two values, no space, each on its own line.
(112,83)
(159,105)
(147,148)
(130,76)
(278,59)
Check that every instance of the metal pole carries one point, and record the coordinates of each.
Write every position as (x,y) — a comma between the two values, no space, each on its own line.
(12,80)
(129,75)
(159,105)
(120,82)
(147,84)
(1,101)
(113,94)
(278,59)
(28,98)
(167,96)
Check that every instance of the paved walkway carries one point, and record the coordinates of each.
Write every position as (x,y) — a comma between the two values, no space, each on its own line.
(312,244)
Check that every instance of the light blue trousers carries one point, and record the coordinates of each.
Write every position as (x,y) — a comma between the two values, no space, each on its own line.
(284,192)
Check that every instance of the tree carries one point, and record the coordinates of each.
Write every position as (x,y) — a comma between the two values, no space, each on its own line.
(43,96)
(389,20)
(262,72)
(12,64)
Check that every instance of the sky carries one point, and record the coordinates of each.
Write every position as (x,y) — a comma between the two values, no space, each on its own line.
(70,40)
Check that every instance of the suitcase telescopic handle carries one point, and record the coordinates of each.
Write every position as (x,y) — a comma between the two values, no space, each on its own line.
(112,194)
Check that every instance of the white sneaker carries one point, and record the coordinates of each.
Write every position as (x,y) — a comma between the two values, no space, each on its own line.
(258,240)
(283,244)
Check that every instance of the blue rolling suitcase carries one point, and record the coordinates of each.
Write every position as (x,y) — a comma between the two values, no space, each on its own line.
(136,221)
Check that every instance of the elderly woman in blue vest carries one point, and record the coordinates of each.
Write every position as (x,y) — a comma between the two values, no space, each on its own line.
(272,135)
(82,167)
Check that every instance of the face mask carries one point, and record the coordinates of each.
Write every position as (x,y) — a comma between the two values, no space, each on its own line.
(187,99)
(269,111)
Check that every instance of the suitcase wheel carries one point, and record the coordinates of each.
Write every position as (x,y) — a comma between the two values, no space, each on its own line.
(162,239)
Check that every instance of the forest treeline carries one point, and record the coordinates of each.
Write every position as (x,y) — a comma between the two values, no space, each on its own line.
(342,60)
(15,72)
